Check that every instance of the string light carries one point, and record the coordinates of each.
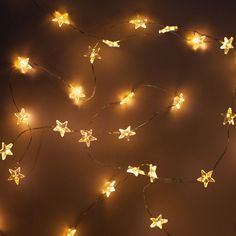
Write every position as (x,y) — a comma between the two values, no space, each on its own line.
(22,117)
(87,137)
(15,175)
(76,94)
(127,98)
(70,232)
(126,133)
(135,170)
(113,44)
(152,173)
(229,117)
(158,222)
(61,18)
(168,29)
(93,53)
(198,41)
(206,178)
(6,150)
(139,22)
(227,44)
(22,64)
(109,188)
(178,101)
(62,128)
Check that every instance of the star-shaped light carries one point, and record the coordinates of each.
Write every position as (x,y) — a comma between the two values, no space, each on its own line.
(61,18)
(178,101)
(22,64)
(198,41)
(112,44)
(135,170)
(87,137)
(127,98)
(158,222)
(22,117)
(6,150)
(126,133)
(15,175)
(227,44)
(139,22)
(70,232)
(152,173)
(109,188)
(206,178)
(93,53)
(229,117)
(77,94)
(62,128)
(168,29)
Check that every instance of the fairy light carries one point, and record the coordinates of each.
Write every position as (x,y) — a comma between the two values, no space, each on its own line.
(6,150)
(93,53)
(206,178)
(16,175)
(113,44)
(127,98)
(109,188)
(62,128)
(168,29)
(22,117)
(76,94)
(61,18)
(22,64)
(158,222)
(87,137)
(126,133)
(139,22)
(152,173)
(135,171)
(228,117)
(227,44)
(70,232)
(178,101)
(197,41)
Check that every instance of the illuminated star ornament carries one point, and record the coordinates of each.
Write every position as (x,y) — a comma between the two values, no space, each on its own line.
(93,53)
(70,232)
(168,29)
(126,133)
(61,18)
(139,22)
(22,64)
(62,128)
(135,170)
(109,188)
(158,222)
(152,173)
(178,101)
(112,44)
(87,137)
(77,94)
(206,178)
(22,117)
(227,44)
(198,41)
(6,150)
(229,117)
(127,98)
(15,175)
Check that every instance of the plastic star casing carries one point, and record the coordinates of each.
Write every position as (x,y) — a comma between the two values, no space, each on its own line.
(227,44)
(22,117)
(61,18)
(76,94)
(229,117)
(6,150)
(178,101)
(109,188)
(62,128)
(70,232)
(93,53)
(158,222)
(126,133)
(22,64)
(206,178)
(15,175)
(139,22)
(113,44)
(87,137)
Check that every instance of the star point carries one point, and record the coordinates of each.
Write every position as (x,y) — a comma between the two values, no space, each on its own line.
(206,178)
(152,173)
(228,117)
(15,175)
(22,117)
(62,128)
(87,137)
(227,44)
(6,150)
(109,188)
(93,53)
(126,133)
(139,22)
(158,222)
(22,64)
(61,18)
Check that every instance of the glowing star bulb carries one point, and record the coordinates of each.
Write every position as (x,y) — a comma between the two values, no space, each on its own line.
(152,173)
(139,22)
(135,170)
(178,101)
(158,222)
(127,98)
(206,178)
(77,94)
(70,232)
(229,117)
(62,128)
(22,117)
(87,137)
(168,29)
(109,188)
(126,133)
(227,44)
(93,54)
(61,18)
(112,44)
(198,41)
(15,175)
(6,150)
(22,64)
